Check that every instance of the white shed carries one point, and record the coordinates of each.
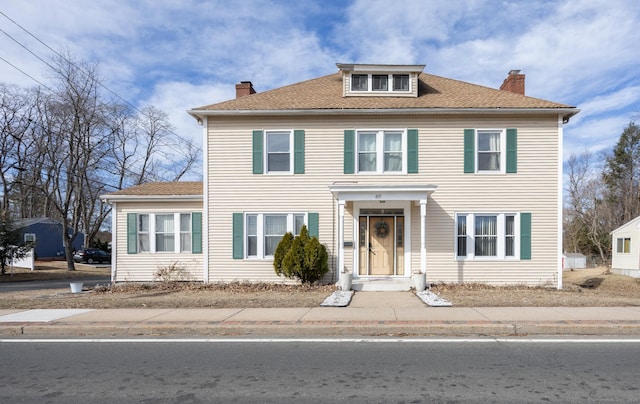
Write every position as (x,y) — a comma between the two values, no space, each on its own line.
(625,249)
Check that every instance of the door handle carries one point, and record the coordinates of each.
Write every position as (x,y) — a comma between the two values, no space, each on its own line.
(371,249)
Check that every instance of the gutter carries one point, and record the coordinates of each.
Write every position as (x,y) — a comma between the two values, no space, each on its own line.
(566,112)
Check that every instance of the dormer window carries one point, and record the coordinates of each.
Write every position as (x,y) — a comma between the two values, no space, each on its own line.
(380,80)
(360,82)
(400,82)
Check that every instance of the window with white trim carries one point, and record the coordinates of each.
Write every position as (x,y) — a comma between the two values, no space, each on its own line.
(380,83)
(382,151)
(265,230)
(623,245)
(278,147)
(29,238)
(490,150)
(487,236)
(158,232)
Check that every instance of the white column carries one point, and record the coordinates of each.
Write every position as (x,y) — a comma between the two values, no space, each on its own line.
(423,236)
(340,237)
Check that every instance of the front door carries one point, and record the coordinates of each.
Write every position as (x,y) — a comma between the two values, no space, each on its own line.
(381,247)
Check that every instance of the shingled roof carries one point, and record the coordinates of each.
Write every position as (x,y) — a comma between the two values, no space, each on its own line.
(159,189)
(434,92)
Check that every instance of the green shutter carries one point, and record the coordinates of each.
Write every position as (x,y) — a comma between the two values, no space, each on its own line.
(512,150)
(412,151)
(132,233)
(238,236)
(469,151)
(525,236)
(258,160)
(313,224)
(349,151)
(298,152)
(196,232)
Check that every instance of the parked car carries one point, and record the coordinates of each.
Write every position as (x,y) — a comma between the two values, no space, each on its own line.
(92,256)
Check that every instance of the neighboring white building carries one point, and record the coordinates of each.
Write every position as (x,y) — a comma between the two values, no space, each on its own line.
(396,171)
(625,249)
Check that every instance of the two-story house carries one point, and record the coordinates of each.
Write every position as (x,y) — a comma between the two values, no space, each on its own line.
(396,171)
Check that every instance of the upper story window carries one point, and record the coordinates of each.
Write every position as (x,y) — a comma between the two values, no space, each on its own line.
(278,151)
(381,151)
(490,155)
(490,151)
(380,83)
(360,82)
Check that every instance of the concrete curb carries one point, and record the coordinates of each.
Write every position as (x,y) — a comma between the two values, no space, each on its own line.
(322,328)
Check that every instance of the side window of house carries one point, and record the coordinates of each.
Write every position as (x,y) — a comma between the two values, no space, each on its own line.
(381,151)
(493,236)
(623,245)
(278,151)
(29,238)
(164,233)
(488,151)
(263,231)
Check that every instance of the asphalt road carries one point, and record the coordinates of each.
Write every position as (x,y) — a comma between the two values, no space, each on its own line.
(51,284)
(311,372)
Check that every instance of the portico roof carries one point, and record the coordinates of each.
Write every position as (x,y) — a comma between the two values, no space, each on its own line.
(354,191)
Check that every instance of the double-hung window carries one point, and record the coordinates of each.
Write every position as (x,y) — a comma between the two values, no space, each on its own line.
(265,230)
(490,151)
(166,232)
(490,235)
(382,151)
(278,151)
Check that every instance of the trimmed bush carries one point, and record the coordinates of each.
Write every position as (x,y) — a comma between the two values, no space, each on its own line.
(281,251)
(301,257)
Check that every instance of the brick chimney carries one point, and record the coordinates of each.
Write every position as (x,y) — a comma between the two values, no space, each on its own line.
(514,82)
(244,88)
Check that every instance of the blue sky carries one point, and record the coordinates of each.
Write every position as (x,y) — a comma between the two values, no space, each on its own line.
(177,54)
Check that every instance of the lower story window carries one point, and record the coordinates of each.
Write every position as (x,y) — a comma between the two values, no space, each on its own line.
(491,235)
(623,245)
(265,230)
(158,232)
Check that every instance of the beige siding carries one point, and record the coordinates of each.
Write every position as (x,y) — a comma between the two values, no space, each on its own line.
(534,189)
(626,261)
(142,267)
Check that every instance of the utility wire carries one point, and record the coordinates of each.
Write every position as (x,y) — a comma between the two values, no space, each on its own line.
(87,74)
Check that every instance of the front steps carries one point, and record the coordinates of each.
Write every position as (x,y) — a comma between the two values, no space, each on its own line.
(382,284)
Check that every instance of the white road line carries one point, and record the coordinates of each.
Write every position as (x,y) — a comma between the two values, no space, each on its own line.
(324,340)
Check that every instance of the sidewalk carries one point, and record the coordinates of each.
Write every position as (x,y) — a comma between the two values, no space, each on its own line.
(379,314)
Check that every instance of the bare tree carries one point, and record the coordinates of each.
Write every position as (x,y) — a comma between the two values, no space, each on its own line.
(587,214)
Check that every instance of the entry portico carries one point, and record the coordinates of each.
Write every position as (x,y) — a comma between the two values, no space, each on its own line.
(382,220)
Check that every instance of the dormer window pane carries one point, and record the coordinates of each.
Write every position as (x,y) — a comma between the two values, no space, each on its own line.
(380,82)
(400,82)
(359,82)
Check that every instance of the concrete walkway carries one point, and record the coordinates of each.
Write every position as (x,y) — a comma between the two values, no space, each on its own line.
(377,314)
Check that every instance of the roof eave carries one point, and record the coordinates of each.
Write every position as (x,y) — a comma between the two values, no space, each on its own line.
(110,198)
(566,112)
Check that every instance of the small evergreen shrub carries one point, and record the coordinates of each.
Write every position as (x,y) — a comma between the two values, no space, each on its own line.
(281,251)
(301,257)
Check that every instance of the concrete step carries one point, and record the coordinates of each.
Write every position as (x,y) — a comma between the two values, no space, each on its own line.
(382,284)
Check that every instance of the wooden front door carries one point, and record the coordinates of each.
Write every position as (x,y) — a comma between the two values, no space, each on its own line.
(381,251)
